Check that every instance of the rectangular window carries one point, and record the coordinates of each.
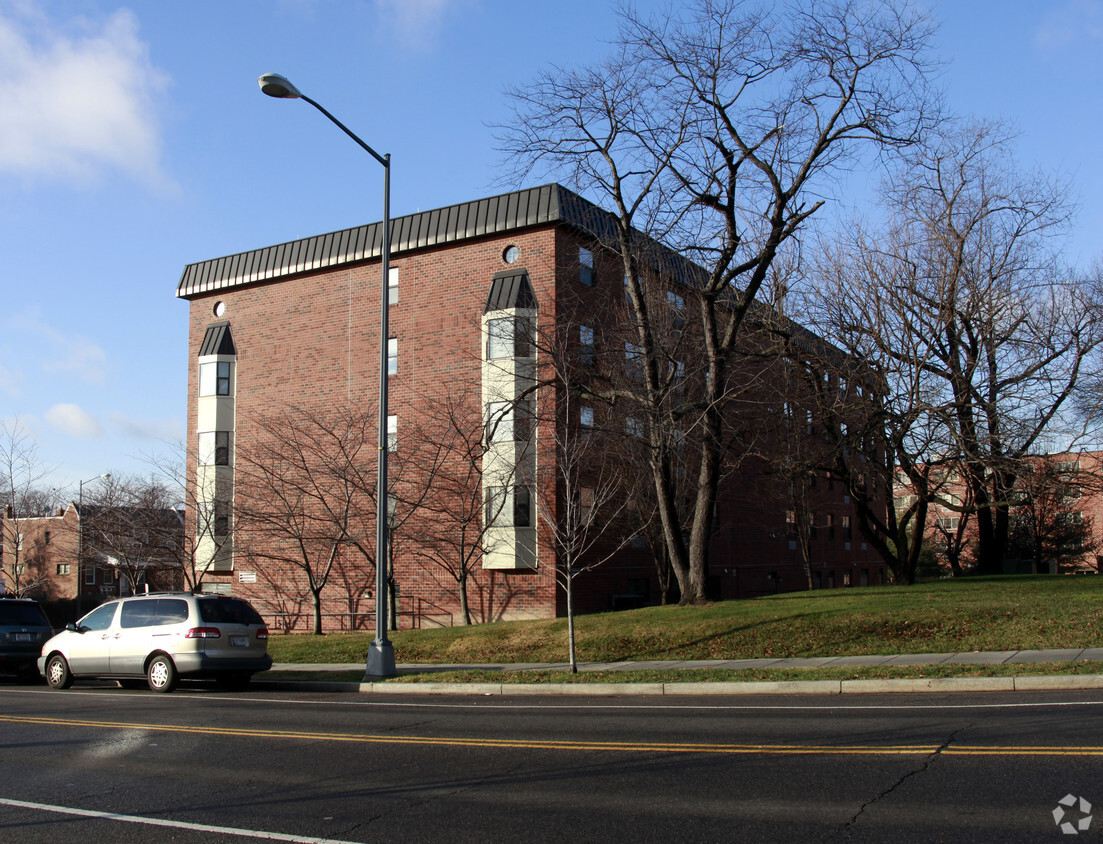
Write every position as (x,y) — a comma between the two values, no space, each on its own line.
(848,533)
(214,378)
(47,536)
(508,506)
(392,285)
(586,501)
(508,421)
(633,427)
(214,448)
(830,526)
(585,266)
(63,568)
(633,361)
(509,337)
(392,433)
(677,308)
(89,575)
(586,419)
(392,355)
(214,519)
(586,345)
(790,523)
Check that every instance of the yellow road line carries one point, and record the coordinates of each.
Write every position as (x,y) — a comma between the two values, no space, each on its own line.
(527,744)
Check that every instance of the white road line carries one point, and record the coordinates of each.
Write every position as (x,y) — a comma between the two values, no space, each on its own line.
(199,827)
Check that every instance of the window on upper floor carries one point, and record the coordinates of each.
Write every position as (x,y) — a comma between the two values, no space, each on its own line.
(509,337)
(214,378)
(392,433)
(508,421)
(633,361)
(392,285)
(392,355)
(586,419)
(508,506)
(214,448)
(586,345)
(677,309)
(585,266)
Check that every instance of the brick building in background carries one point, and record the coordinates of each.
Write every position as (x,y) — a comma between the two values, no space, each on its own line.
(1055,517)
(97,552)
(285,338)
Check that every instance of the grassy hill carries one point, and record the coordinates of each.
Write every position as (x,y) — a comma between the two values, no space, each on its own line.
(969,614)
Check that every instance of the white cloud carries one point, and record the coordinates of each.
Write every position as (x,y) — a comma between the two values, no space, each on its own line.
(77,104)
(11,381)
(65,352)
(1071,22)
(415,24)
(72,420)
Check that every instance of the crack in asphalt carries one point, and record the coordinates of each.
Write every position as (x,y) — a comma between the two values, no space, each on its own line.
(930,760)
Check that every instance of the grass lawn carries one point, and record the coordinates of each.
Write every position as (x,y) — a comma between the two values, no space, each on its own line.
(968,614)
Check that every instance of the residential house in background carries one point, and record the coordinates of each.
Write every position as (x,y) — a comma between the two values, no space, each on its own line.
(111,551)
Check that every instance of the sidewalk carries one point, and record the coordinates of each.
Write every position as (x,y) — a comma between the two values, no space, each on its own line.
(975,684)
(964,658)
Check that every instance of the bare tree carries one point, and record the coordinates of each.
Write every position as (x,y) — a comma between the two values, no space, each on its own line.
(21,473)
(198,544)
(586,506)
(133,525)
(302,491)
(449,440)
(710,131)
(961,305)
(1048,525)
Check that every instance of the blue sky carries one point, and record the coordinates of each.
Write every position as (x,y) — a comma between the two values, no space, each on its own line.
(134,140)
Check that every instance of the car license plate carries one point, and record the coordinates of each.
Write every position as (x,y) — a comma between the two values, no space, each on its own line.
(24,637)
(239,641)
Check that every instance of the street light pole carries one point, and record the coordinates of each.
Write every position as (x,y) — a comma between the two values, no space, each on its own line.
(80,536)
(380,659)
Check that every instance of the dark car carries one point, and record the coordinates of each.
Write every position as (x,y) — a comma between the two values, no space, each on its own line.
(23,630)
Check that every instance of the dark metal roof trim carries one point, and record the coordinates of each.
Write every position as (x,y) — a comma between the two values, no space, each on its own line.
(510,289)
(218,340)
(494,215)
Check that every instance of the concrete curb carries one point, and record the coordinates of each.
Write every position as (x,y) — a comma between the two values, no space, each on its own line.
(1056,682)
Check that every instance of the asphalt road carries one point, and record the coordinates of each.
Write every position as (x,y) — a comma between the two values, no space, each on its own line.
(100,764)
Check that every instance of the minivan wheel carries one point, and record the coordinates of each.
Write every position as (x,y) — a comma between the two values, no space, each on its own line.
(57,672)
(161,674)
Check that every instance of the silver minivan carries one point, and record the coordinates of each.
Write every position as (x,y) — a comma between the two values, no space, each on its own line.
(158,638)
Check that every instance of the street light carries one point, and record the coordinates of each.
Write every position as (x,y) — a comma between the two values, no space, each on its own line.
(80,535)
(380,661)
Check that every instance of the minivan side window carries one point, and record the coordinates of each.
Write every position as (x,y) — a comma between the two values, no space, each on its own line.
(99,619)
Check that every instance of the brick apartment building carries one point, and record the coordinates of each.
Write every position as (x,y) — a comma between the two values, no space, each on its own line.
(293,328)
(98,554)
(1055,516)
